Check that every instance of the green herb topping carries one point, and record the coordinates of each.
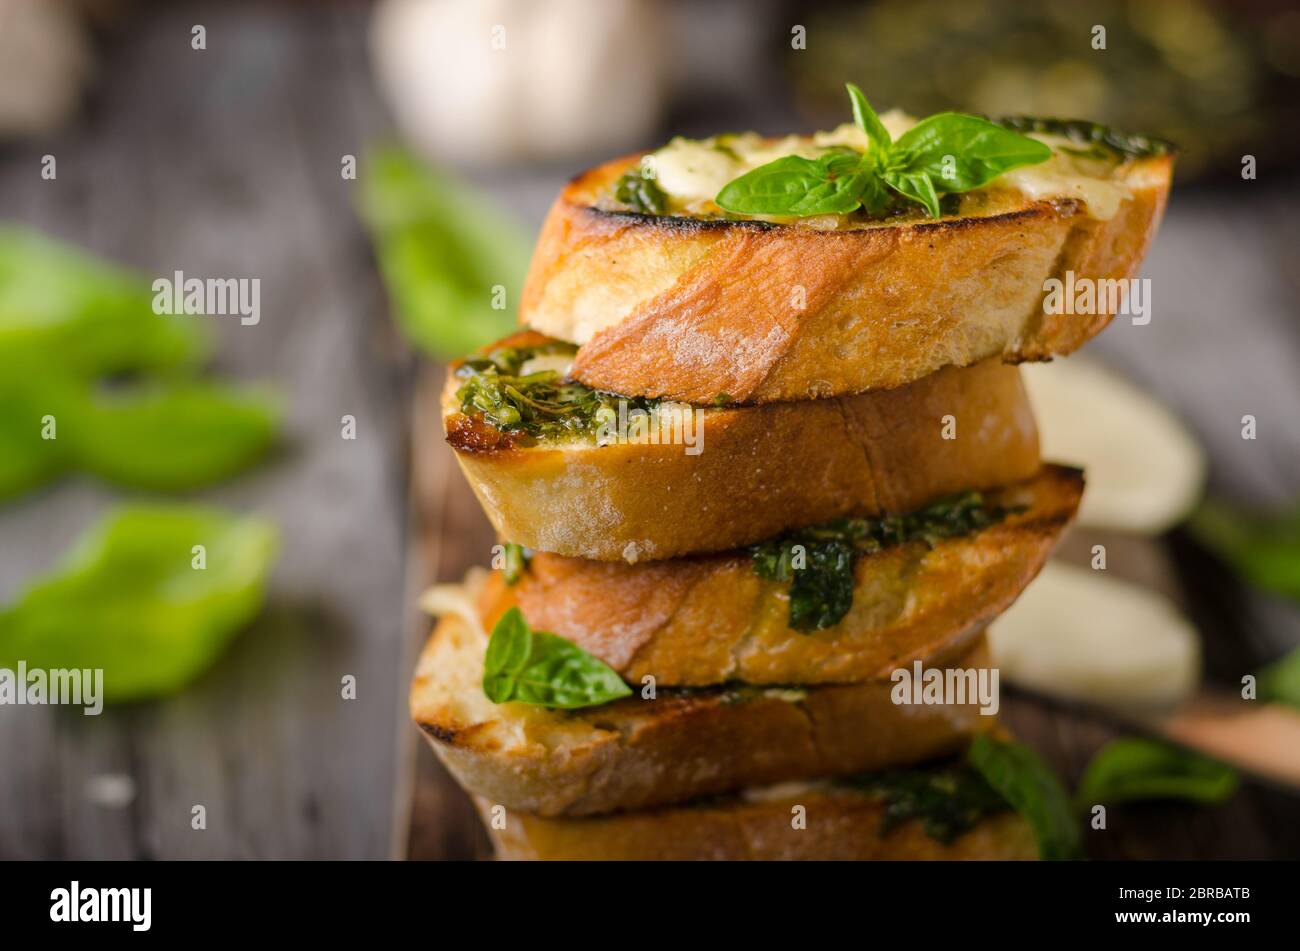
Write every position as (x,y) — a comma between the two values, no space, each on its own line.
(818,562)
(945,153)
(995,775)
(947,800)
(541,404)
(535,667)
(1090,137)
(641,193)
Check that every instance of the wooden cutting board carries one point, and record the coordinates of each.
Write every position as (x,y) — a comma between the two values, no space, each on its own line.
(449,533)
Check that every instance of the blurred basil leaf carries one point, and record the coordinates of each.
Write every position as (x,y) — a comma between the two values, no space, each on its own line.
(61,305)
(1265,552)
(1024,780)
(1135,768)
(535,667)
(442,248)
(129,599)
(173,436)
(1279,682)
(68,321)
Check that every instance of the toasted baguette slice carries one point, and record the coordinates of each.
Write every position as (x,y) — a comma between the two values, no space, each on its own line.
(842,824)
(687,309)
(709,620)
(762,470)
(636,753)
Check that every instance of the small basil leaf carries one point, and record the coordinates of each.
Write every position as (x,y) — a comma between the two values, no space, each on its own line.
(1134,768)
(528,666)
(960,152)
(130,600)
(867,119)
(1025,781)
(916,186)
(1279,682)
(793,185)
(515,558)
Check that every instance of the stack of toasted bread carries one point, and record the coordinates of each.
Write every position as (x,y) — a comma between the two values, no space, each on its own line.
(759,485)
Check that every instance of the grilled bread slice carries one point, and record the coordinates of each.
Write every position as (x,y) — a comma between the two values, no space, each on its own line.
(684,744)
(760,471)
(841,824)
(686,308)
(710,620)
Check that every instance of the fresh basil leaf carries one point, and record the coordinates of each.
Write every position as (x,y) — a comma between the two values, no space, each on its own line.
(867,120)
(1025,781)
(61,306)
(959,152)
(172,436)
(1265,552)
(129,600)
(1135,768)
(916,186)
(442,248)
(516,562)
(798,187)
(528,666)
(1279,682)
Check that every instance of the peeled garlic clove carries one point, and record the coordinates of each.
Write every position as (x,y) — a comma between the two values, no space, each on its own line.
(1080,635)
(1145,470)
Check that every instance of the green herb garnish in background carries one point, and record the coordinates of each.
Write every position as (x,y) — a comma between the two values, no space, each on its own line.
(641,193)
(1279,682)
(1265,552)
(541,404)
(1135,768)
(528,666)
(821,589)
(92,380)
(130,599)
(1025,781)
(948,800)
(946,153)
(444,250)
(60,306)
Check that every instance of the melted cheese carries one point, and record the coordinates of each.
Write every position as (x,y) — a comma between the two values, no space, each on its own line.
(691,172)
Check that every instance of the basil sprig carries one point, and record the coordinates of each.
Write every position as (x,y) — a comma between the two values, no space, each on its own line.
(535,667)
(945,153)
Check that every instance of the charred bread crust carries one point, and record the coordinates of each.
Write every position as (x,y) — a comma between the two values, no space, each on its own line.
(842,825)
(710,620)
(763,470)
(686,309)
(637,753)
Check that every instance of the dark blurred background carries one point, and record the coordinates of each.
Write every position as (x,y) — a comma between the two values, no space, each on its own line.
(225,160)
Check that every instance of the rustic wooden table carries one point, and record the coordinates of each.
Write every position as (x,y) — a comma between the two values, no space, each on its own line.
(227,162)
